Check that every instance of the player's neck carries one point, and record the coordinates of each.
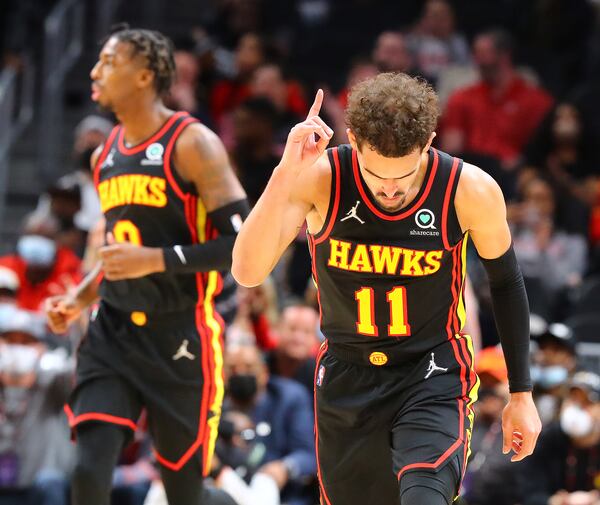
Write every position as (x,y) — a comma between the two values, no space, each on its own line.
(141,120)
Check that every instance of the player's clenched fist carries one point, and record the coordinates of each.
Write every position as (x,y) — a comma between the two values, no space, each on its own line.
(302,150)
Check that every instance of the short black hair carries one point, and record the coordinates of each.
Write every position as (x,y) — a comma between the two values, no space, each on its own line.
(155,47)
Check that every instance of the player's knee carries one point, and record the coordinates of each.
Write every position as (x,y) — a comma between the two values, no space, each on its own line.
(422,495)
(422,487)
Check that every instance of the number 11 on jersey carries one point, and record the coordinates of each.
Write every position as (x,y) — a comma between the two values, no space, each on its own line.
(396,298)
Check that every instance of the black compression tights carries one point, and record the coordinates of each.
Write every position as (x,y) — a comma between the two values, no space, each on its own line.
(98,448)
(427,488)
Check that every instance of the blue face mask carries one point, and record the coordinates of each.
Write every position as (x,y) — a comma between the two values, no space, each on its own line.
(36,250)
(547,377)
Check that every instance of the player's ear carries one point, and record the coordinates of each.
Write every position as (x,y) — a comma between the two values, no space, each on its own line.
(352,139)
(428,145)
(145,78)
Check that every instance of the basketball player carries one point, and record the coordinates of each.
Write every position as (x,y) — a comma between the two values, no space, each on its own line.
(172,207)
(388,218)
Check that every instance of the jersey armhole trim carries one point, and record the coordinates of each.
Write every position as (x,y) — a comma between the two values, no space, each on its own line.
(449,191)
(168,153)
(334,198)
(105,150)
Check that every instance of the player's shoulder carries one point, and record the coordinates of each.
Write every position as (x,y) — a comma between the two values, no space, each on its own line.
(194,133)
(477,191)
(199,144)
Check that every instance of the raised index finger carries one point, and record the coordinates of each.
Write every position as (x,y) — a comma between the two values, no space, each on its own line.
(315,108)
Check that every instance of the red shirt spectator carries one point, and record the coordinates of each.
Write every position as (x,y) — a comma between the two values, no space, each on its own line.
(498,115)
(497,125)
(66,272)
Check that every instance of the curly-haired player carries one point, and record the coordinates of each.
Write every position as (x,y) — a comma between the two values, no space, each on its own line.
(389,218)
(172,207)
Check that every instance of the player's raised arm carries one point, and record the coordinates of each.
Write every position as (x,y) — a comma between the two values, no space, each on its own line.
(481,210)
(287,200)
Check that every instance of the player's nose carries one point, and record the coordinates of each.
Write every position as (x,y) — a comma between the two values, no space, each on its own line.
(389,188)
(95,72)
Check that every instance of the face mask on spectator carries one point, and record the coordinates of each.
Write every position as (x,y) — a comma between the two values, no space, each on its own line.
(576,422)
(547,377)
(36,250)
(242,387)
(17,359)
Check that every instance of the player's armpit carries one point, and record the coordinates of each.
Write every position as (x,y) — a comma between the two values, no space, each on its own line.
(481,211)
(201,159)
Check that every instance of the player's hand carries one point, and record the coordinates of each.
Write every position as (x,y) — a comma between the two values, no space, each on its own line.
(128,261)
(61,311)
(521,426)
(301,149)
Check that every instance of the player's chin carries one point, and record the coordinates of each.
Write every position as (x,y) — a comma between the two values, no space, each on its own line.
(104,104)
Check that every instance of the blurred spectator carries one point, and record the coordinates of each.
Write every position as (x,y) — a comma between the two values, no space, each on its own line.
(43,268)
(391,53)
(35,453)
(564,150)
(553,261)
(335,105)
(497,115)
(254,154)
(257,311)
(490,478)
(434,43)
(297,343)
(563,469)
(239,454)
(287,96)
(182,95)
(73,198)
(227,94)
(9,286)
(282,412)
(553,362)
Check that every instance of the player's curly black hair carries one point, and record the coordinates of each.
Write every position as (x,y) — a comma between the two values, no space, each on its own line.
(155,47)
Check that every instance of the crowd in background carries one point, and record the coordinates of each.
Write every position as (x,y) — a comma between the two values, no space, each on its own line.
(518,85)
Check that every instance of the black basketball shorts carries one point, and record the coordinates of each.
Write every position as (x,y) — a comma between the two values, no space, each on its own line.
(170,365)
(375,424)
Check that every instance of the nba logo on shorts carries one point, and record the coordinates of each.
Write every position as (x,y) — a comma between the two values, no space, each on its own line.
(320,375)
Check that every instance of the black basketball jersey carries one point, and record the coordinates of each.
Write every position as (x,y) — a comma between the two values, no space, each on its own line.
(390,280)
(146,202)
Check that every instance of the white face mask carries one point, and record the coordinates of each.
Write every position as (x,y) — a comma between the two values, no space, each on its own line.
(576,422)
(18,359)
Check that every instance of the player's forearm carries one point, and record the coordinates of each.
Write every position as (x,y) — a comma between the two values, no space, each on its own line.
(258,244)
(86,292)
(511,312)
(214,254)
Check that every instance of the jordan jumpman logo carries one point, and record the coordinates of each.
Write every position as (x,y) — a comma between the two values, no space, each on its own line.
(183,352)
(352,214)
(433,367)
